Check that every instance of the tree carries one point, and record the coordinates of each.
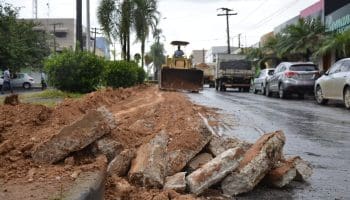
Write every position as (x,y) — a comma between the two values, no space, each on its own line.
(336,41)
(302,38)
(20,45)
(146,18)
(118,19)
(157,53)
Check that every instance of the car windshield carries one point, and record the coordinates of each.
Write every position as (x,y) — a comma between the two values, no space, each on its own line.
(303,68)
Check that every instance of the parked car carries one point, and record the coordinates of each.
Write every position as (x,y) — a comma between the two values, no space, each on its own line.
(335,84)
(292,77)
(20,80)
(260,81)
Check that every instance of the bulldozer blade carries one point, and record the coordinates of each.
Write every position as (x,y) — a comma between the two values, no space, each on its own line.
(181,79)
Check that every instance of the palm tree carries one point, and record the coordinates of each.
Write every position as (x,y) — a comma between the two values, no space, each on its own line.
(115,19)
(336,41)
(146,18)
(301,38)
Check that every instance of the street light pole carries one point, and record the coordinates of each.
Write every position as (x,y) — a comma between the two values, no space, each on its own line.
(79,31)
(88,25)
(227,14)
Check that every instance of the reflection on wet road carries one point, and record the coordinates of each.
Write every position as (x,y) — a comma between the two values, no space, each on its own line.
(319,134)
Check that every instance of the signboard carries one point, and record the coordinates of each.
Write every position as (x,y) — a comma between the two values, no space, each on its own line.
(339,20)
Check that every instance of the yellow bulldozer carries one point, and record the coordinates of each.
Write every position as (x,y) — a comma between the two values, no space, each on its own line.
(178,74)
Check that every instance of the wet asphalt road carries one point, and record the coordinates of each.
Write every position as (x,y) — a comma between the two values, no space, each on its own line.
(319,134)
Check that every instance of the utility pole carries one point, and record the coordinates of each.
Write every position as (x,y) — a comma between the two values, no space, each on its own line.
(79,29)
(95,32)
(227,14)
(35,9)
(54,35)
(239,41)
(88,25)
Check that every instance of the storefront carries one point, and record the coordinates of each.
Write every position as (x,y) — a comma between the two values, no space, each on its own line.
(339,19)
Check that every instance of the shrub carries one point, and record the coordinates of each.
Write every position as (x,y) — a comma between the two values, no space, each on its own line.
(121,74)
(141,75)
(74,71)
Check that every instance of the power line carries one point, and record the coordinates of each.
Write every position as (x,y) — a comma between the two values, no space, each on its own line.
(251,13)
(270,17)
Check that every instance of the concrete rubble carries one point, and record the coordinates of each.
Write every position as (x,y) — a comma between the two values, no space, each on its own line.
(217,144)
(214,171)
(108,147)
(199,161)
(231,165)
(75,137)
(176,182)
(281,174)
(178,159)
(304,169)
(148,169)
(120,165)
(257,162)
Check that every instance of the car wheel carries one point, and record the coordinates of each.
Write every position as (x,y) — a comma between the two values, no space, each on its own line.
(26,85)
(319,96)
(281,92)
(347,97)
(255,91)
(267,90)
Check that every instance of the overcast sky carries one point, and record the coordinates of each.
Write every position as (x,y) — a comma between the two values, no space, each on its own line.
(195,21)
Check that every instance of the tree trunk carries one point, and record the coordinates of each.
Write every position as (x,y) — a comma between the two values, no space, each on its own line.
(128,47)
(142,52)
(124,46)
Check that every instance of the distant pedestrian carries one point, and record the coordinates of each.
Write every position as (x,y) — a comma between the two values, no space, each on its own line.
(7,81)
(43,81)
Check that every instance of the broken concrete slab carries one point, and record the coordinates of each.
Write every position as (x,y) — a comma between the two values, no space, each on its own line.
(217,144)
(74,137)
(214,171)
(199,160)
(120,165)
(178,159)
(281,174)
(304,169)
(108,147)
(257,162)
(148,169)
(176,182)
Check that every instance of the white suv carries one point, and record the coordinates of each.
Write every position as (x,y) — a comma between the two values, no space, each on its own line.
(335,84)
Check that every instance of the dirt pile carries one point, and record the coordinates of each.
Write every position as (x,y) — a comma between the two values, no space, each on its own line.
(142,114)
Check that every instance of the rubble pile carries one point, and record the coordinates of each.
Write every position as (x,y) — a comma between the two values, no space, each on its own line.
(152,145)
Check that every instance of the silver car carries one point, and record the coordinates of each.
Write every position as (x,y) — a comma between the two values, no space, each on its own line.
(335,84)
(22,80)
(292,77)
(260,81)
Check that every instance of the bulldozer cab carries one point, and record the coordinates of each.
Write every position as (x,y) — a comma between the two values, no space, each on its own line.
(178,59)
(178,74)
